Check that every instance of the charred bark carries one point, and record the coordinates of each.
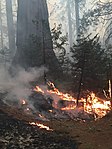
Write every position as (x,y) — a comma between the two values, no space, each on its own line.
(81,78)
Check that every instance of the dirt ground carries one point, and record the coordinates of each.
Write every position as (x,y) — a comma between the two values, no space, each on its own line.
(89,135)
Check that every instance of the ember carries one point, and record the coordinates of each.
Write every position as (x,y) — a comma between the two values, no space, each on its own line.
(23,102)
(27,109)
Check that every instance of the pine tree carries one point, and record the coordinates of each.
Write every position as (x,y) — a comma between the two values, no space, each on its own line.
(89,64)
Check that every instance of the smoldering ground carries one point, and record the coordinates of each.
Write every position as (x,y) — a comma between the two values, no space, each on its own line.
(18,86)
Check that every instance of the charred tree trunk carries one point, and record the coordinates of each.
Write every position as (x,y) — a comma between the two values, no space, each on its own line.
(10,25)
(80,85)
(34,42)
(81,78)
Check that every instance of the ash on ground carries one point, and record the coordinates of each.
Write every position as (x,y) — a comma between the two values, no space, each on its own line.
(15,134)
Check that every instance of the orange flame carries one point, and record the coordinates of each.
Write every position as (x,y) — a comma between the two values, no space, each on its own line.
(38,89)
(95,105)
(40,126)
(61,95)
(23,102)
(92,104)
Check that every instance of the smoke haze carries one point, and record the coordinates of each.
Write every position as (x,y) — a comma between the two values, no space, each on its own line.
(18,87)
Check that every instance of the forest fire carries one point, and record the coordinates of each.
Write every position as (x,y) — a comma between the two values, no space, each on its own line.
(97,106)
(91,104)
(42,126)
(61,95)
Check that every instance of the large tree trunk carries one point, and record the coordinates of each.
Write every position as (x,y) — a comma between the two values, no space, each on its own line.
(34,43)
(1,29)
(11,31)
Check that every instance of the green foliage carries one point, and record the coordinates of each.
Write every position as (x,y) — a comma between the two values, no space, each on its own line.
(59,42)
(5,55)
(96,15)
(89,62)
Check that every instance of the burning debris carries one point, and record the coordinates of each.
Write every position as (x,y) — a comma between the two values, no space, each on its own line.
(46,102)
(38,89)
(91,105)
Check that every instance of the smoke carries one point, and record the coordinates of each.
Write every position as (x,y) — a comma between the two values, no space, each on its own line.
(19,86)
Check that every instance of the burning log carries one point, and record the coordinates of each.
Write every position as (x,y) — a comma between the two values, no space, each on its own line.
(53,104)
(91,104)
(40,102)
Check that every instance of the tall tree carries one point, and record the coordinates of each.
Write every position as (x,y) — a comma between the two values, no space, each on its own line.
(34,42)
(1,29)
(11,32)
(77,17)
(69,24)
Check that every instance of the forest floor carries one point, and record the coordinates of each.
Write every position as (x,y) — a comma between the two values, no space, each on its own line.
(16,133)
(89,135)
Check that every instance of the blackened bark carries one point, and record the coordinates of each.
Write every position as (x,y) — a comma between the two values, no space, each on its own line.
(81,79)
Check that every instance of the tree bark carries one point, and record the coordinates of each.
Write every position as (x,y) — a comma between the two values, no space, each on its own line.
(34,42)
(10,25)
(1,29)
